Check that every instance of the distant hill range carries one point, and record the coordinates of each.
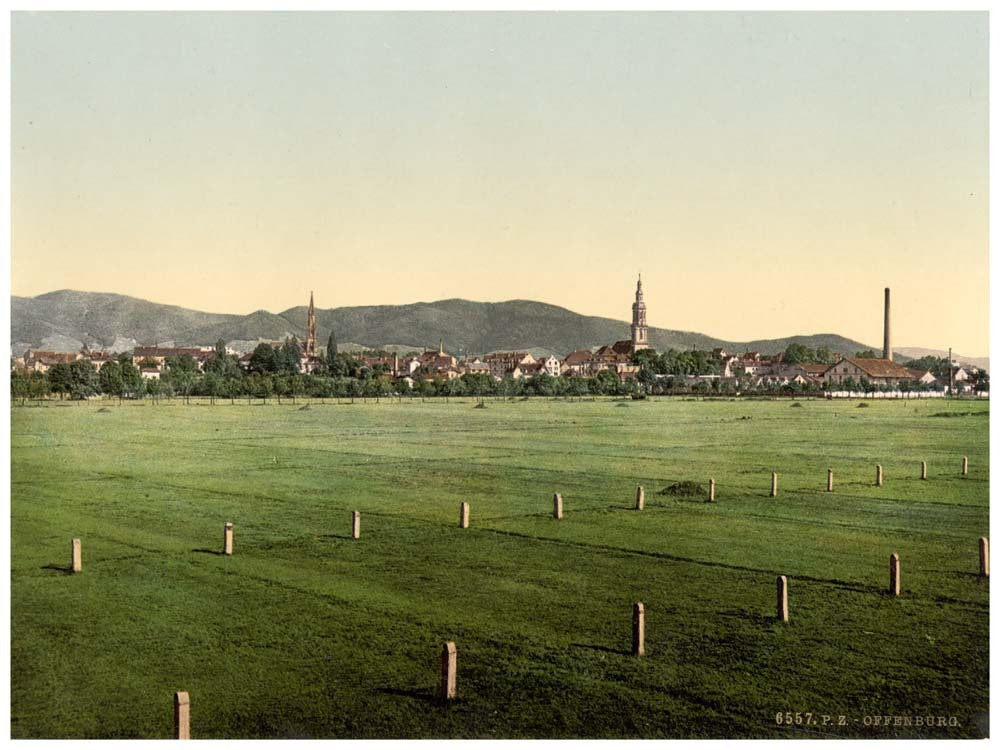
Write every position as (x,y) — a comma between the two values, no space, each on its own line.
(66,320)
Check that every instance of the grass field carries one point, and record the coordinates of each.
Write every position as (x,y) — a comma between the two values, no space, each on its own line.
(305,632)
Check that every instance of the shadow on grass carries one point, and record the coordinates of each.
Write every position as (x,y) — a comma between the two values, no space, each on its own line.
(64,569)
(759,619)
(335,536)
(605,649)
(426,695)
(961,574)
(209,552)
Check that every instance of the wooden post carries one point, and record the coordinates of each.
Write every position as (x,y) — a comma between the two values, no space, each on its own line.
(227,540)
(984,556)
(829,480)
(76,564)
(965,466)
(557,509)
(638,629)
(182,716)
(894,574)
(782,599)
(774,484)
(878,475)
(711,490)
(640,498)
(449,667)
(355,524)
(463,516)
(923,470)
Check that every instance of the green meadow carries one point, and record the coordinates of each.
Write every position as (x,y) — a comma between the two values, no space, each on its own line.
(305,632)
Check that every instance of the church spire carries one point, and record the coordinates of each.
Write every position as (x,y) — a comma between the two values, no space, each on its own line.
(310,349)
(640,333)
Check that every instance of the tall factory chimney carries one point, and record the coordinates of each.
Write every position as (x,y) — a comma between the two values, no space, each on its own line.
(887,342)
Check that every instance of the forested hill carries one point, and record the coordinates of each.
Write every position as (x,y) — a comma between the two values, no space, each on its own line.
(66,320)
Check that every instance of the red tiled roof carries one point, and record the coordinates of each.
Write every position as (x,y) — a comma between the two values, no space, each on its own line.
(879,368)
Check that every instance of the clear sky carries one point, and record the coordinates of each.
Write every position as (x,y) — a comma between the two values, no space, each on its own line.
(768,173)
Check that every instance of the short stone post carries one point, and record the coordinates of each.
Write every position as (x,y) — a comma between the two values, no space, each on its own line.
(984,556)
(463,516)
(557,506)
(774,484)
(182,716)
(711,490)
(782,599)
(923,470)
(355,524)
(965,466)
(878,475)
(449,668)
(894,574)
(829,480)
(76,564)
(638,629)
(640,498)
(227,540)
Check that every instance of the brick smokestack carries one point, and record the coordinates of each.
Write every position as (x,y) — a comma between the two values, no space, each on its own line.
(887,341)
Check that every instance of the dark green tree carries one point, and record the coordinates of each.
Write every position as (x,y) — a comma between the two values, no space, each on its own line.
(60,378)
(263,360)
(110,379)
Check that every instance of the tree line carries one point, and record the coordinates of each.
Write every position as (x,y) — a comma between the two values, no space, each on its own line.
(275,372)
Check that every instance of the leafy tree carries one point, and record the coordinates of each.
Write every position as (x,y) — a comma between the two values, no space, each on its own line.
(181,374)
(647,358)
(83,379)
(542,384)
(795,353)
(289,358)
(605,383)
(212,382)
(38,385)
(154,388)
(331,346)
(133,384)
(263,359)
(222,364)
(20,385)
(110,379)
(866,354)
(824,356)
(60,378)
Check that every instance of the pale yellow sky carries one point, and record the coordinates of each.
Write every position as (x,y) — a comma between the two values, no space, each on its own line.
(768,173)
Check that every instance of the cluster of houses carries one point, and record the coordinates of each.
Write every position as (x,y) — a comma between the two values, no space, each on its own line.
(151,360)
(749,370)
(754,371)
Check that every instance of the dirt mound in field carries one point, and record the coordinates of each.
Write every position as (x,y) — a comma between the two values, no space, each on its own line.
(684,489)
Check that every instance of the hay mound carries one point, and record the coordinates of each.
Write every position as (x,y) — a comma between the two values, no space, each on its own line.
(796,405)
(305,408)
(862,405)
(684,489)
(480,405)
(104,410)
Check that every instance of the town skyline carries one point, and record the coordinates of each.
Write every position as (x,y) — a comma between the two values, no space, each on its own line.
(870,338)
(769,173)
